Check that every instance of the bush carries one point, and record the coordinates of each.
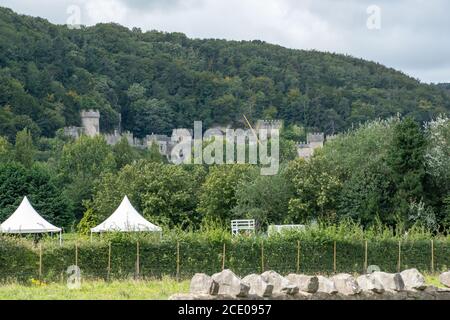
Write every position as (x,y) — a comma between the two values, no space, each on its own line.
(203,252)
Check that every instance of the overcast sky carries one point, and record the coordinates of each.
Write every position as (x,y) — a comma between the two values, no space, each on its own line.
(408,35)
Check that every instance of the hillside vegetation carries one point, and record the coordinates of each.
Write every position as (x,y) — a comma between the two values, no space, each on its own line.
(392,172)
(158,81)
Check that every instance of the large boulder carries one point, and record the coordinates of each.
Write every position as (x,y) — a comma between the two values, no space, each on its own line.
(304,283)
(392,282)
(230,284)
(326,285)
(368,283)
(280,283)
(258,286)
(445,279)
(203,284)
(413,280)
(346,284)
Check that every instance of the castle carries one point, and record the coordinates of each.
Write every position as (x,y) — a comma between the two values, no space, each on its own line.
(90,126)
(269,125)
(313,141)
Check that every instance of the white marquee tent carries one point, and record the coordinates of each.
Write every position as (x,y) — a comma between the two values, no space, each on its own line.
(126,219)
(26,220)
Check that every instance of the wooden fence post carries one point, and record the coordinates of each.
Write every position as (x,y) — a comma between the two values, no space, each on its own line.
(223,256)
(262,256)
(399,264)
(366,257)
(432,256)
(334,258)
(108,275)
(137,260)
(76,254)
(178,260)
(298,256)
(40,261)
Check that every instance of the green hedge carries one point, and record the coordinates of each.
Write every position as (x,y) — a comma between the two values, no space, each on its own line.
(20,259)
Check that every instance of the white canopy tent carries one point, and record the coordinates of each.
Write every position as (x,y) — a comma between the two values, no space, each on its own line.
(26,220)
(126,219)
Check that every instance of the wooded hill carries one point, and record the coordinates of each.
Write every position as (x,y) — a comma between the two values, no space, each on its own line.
(158,81)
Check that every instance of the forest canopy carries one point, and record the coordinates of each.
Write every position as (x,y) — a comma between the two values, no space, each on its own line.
(158,81)
(388,164)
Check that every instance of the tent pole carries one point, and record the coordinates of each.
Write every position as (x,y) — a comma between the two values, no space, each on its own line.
(60,238)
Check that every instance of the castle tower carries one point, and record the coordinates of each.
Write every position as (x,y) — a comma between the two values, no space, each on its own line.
(316,140)
(90,120)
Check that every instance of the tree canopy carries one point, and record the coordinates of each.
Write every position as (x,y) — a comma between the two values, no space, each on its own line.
(158,81)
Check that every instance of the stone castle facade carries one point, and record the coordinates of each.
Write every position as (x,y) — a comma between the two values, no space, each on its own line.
(313,141)
(90,126)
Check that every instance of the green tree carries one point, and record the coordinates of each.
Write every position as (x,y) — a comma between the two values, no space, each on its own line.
(316,191)
(5,150)
(89,221)
(24,150)
(165,194)
(263,198)
(151,116)
(218,193)
(438,168)
(124,153)
(154,155)
(82,162)
(38,184)
(406,160)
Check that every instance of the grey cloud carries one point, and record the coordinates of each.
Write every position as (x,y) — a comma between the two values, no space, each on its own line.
(161,5)
(413,37)
(152,4)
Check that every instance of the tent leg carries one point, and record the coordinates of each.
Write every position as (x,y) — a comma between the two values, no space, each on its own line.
(60,238)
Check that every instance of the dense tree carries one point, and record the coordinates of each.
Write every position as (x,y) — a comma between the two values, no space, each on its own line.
(82,162)
(154,154)
(124,153)
(5,150)
(35,182)
(157,81)
(316,191)
(263,198)
(406,160)
(388,171)
(151,116)
(438,168)
(164,194)
(218,193)
(24,149)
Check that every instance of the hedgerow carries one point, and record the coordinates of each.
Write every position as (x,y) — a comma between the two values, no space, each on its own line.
(321,250)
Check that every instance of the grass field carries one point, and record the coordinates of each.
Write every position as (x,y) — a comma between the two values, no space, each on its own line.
(116,290)
(95,290)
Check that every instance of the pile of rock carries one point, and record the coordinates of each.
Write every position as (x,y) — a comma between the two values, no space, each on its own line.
(407,285)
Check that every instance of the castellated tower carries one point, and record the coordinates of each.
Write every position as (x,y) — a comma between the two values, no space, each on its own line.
(90,120)
(269,124)
(316,140)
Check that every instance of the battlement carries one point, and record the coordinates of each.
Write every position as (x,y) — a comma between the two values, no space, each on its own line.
(302,144)
(270,122)
(74,132)
(90,114)
(332,137)
(269,125)
(315,137)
